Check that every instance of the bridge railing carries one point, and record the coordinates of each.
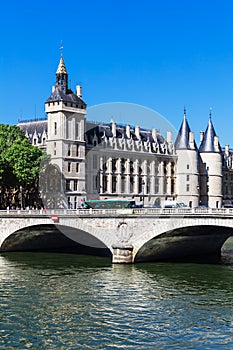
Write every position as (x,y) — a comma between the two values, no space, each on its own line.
(116,212)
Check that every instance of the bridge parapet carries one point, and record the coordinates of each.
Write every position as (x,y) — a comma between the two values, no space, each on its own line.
(116,212)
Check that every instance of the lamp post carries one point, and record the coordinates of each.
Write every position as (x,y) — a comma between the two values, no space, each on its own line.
(21,197)
(143,193)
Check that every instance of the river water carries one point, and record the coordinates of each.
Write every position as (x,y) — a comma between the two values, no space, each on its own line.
(61,301)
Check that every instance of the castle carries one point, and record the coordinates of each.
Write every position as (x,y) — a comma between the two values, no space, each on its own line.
(107,160)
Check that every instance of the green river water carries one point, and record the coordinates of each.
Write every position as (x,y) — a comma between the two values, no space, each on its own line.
(67,301)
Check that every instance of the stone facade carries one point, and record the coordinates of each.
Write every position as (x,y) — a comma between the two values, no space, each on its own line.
(108,160)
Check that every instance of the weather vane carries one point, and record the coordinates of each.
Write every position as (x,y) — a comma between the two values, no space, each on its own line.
(61,49)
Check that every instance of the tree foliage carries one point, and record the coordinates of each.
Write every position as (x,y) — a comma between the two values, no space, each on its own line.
(19,167)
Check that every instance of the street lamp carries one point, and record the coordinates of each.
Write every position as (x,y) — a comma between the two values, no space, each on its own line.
(21,196)
(143,192)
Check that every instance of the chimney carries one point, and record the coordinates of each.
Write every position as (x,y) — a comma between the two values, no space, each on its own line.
(201,136)
(216,143)
(79,91)
(127,131)
(191,139)
(137,132)
(169,136)
(154,134)
(113,128)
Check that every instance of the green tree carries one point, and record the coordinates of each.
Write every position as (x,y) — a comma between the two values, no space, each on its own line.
(19,167)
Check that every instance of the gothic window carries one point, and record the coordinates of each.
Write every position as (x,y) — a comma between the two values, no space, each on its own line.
(77,167)
(187,187)
(131,183)
(123,184)
(69,167)
(172,186)
(123,165)
(105,183)
(114,165)
(114,182)
(55,128)
(77,150)
(187,178)
(187,166)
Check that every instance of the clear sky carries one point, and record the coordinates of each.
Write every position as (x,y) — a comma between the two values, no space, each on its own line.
(160,54)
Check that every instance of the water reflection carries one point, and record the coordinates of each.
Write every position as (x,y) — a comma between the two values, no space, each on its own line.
(74,302)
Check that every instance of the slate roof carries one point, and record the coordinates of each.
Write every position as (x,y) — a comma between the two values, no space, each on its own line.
(182,139)
(207,144)
(59,95)
(35,126)
(105,130)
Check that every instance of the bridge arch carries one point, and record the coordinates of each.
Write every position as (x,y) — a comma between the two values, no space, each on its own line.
(183,242)
(50,237)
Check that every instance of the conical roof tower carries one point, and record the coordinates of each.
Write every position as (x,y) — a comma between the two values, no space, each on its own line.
(209,143)
(211,168)
(182,139)
(187,178)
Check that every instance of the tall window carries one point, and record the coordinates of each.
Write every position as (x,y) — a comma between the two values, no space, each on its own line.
(54,149)
(157,185)
(75,202)
(69,167)
(77,130)
(69,150)
(75,185)
(77,167)
(67,185)
(187,187)
(55,128)
(77,150)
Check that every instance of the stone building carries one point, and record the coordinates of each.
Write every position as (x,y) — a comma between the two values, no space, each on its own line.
(108,160)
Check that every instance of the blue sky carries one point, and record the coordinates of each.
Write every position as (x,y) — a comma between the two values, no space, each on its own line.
(160,54)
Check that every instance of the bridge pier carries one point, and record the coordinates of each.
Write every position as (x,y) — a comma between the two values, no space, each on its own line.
(122,254)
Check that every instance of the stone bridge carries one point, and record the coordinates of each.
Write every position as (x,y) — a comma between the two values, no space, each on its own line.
(127,235)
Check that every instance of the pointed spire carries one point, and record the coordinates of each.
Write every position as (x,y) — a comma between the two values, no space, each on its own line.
(184,112)
(182,140)
(61,49)
(61,73)
(208,143)
(61,69)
